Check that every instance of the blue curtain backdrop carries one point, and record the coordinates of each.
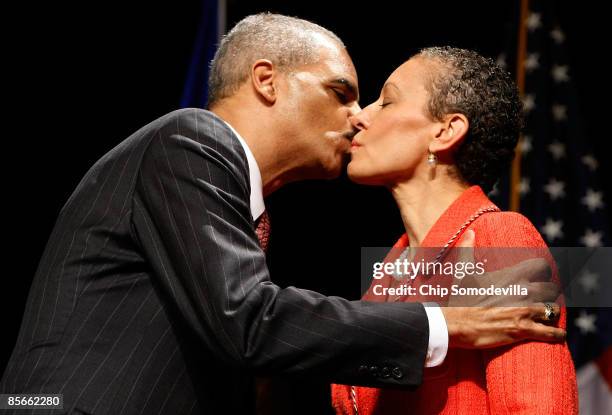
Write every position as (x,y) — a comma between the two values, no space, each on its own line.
(210,30)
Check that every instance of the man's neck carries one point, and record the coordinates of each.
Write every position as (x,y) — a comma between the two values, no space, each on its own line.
(277,168)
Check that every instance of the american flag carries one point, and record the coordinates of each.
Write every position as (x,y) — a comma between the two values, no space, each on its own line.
(560,190)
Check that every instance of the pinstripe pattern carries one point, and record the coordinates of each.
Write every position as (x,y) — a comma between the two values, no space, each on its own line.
(153,295)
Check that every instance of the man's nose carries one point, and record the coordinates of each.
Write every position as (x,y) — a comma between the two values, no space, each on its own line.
(355,108)
(359,119)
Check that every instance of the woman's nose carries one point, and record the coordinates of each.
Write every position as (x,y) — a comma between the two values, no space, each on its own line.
(360,120)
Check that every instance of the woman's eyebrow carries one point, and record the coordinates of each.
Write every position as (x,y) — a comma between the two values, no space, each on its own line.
(390,85)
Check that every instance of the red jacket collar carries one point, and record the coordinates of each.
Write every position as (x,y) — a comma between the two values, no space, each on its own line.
(467,204)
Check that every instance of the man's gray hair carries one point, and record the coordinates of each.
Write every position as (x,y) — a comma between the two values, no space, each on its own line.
(286,41)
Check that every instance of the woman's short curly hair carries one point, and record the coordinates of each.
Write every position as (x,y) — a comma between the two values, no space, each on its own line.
(462,81)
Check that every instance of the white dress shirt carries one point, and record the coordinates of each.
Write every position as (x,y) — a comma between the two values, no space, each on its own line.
(438,331)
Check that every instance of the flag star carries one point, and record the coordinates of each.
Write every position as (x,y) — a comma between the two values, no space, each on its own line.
(557,35)
(552,229)
(526,144)
(502,61)
(586,322)
(559,112)
(555,189)
(534,21)
(590,162)
(591,239)
(524,186)
(589,281)
(529,102)
(532,62)
(557,150)
(559,73)
(593,200)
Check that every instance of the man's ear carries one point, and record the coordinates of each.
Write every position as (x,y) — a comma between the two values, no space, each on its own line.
(263,76)
(450,133)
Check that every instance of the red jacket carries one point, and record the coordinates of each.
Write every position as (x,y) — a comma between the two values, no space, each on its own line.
(526,378)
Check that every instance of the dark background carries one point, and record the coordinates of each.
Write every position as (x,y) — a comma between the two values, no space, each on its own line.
(83,78)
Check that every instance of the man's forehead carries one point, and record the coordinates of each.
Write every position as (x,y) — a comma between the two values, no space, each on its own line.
(335,56)
(338,67)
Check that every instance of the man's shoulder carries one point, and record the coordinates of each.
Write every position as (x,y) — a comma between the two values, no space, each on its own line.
(195,124)
(195,120)
(191,131)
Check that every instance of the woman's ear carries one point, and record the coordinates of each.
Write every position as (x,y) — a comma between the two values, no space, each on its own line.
(263,76)
(451,132)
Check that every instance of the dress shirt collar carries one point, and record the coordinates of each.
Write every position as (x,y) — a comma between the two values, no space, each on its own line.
(257,200)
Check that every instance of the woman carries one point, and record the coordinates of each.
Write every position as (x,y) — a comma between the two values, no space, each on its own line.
(444,128)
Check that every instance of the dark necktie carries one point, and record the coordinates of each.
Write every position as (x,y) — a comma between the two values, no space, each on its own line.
(263,230)
(270,400)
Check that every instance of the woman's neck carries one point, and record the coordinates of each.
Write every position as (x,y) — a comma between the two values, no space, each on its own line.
(422,202)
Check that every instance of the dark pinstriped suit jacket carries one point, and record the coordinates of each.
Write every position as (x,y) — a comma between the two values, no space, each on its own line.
(153,295)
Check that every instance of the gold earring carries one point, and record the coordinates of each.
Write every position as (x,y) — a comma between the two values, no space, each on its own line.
(432,159)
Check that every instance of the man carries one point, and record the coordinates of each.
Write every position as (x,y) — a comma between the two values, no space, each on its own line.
(153,295)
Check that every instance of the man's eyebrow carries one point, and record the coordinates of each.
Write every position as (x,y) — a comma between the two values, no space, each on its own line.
(349,85)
